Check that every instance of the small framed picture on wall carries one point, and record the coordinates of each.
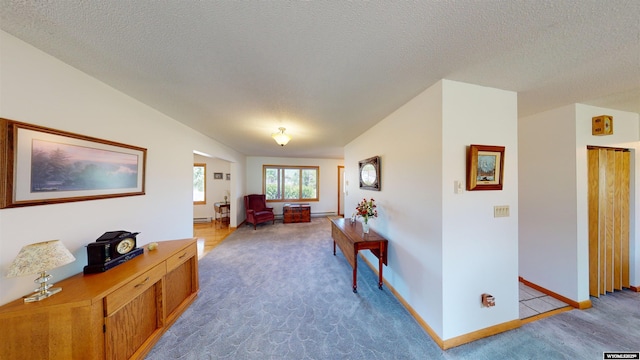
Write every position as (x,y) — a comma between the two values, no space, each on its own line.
(485,167)
(228,176)
(217,176)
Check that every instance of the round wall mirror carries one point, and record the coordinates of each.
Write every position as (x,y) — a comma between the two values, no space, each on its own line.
(368,174)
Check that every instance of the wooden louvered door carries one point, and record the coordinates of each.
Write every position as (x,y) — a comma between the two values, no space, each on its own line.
(608,219)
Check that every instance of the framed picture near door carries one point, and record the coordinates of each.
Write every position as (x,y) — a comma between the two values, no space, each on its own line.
(485,167)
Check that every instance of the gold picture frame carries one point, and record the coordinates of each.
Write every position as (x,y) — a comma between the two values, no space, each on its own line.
(485,167)
(40,166)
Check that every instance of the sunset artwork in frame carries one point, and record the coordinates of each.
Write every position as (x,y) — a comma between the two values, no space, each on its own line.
(485,167)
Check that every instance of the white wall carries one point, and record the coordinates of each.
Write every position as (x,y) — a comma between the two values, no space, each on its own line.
(408,142)
(548,232)
(328,181)
(480,252)
(445,249)
(39,89)
(553,195)
(216,189)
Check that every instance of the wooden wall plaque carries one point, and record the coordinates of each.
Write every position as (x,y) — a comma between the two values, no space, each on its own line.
(602,125)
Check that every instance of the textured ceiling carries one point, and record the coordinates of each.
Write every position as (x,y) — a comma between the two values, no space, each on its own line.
(328,70)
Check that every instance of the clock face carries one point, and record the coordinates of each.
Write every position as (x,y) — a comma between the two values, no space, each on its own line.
(125,246)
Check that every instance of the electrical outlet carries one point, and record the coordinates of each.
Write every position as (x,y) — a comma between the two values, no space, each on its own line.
(501,211)
(487,300)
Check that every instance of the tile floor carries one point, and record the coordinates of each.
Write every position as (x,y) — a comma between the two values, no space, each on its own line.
(534,302)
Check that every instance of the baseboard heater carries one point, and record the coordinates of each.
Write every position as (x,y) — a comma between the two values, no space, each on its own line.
(322,214)
(201,220)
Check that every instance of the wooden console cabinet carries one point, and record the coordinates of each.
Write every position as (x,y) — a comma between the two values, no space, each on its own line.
(293,213)
(117,314)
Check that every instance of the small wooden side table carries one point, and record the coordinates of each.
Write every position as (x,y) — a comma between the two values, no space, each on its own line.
(222,212)
(351,239)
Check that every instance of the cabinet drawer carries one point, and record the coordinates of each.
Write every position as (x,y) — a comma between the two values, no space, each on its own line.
(181,256)
(133,288)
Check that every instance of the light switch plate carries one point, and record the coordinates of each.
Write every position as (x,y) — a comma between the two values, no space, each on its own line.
(501,211)
(457,187)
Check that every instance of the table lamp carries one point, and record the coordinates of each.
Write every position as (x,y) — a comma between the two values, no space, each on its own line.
(37,259)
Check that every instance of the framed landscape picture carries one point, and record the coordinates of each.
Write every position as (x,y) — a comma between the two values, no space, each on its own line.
(485,167)
(41,166)
(217,176)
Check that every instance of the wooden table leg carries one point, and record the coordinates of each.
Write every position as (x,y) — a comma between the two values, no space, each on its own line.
(380,272)
(355,273)
(334,248)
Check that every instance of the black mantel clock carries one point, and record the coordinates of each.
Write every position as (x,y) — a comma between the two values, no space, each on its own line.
(111,249)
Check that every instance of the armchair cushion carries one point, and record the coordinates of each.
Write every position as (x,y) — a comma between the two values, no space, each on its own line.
(257,210)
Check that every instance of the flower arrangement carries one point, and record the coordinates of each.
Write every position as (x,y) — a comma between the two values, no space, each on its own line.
(367,209)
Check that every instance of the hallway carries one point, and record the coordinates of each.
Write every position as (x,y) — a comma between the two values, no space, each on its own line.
(534,304)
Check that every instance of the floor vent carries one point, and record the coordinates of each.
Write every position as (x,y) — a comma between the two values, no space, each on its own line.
(201,220)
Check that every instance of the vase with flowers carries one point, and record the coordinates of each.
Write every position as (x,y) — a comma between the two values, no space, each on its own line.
(367,210)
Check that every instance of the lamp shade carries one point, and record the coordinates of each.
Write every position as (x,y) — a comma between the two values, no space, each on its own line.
(39,257)
(281,138)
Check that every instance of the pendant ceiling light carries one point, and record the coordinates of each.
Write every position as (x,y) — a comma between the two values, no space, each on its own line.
(280,137)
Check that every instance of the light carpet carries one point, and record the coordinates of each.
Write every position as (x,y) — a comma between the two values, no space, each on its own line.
(279,293)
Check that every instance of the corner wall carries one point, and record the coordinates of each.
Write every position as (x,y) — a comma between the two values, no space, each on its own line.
(480,252)
(553,195)
(409,143)
(39,89)
(444,249)
(547,173)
